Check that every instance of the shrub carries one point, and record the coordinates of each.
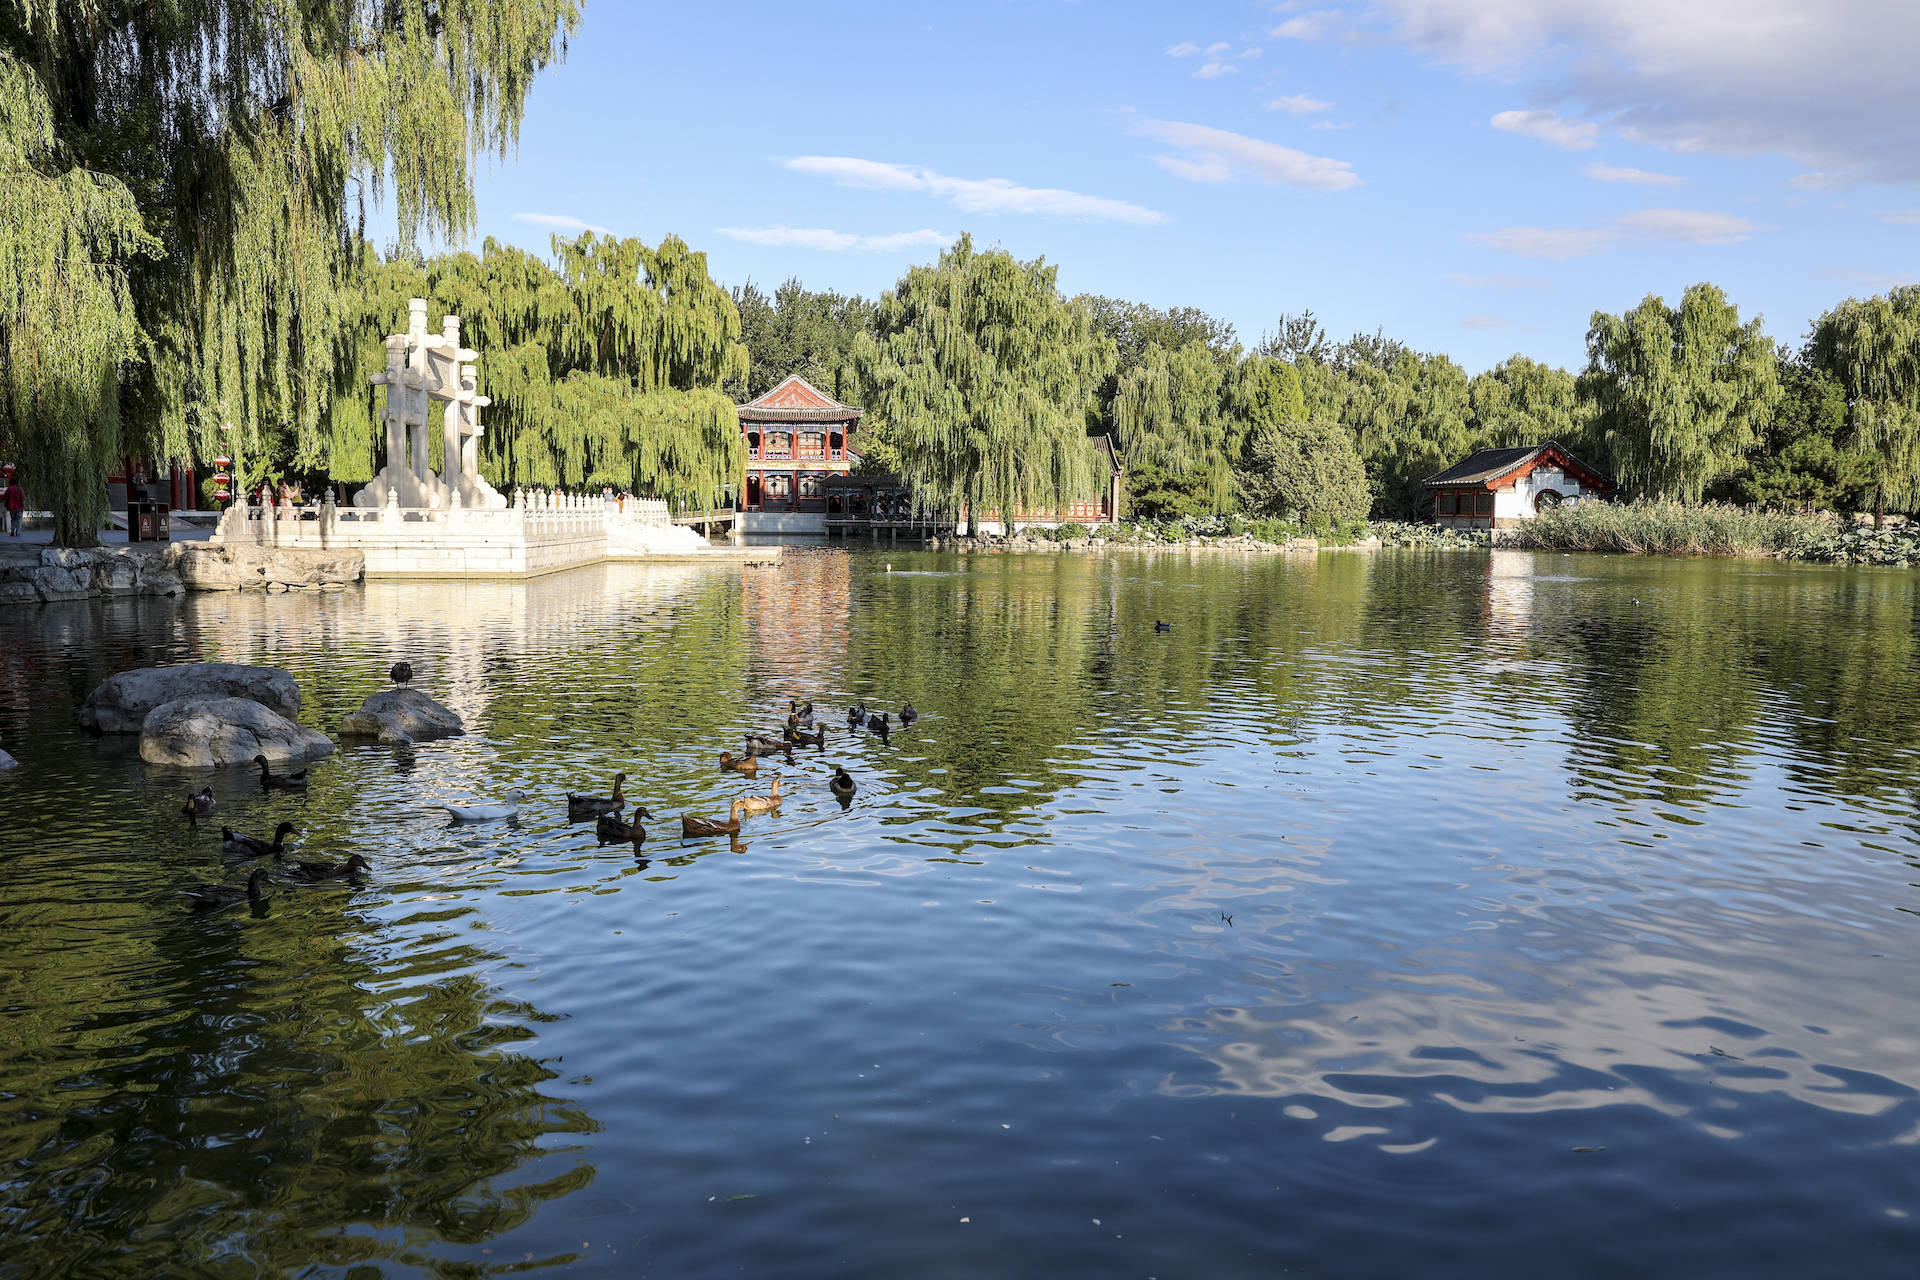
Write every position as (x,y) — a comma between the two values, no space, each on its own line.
(1309,471)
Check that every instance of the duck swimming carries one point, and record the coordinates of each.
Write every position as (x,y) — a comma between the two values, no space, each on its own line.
(760,745)
(612,827)
(691,826)
(762,804)
(842,785)
(508,807)
(207,897)
(271,781)
(908,715)
(730,763)
(804,715)
(856,716)
(198,805)
(818,738)
(316,872)
(245,846)
(588,806)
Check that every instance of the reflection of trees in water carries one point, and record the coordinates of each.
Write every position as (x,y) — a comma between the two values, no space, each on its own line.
(243,1096)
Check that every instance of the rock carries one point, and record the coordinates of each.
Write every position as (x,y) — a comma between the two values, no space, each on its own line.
(204,732)
(208,567)
(117,575)
(19,591)
(7,762)
(67,558)
(277,588)
(400,716)
(61,584)
(121,703)
(156,579)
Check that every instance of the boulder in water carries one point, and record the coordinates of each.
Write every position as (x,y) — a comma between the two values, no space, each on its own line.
(207,731)
(400,716)
(121,704)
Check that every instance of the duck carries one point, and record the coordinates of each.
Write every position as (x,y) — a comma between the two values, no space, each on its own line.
(878,723)
(508,807)
(246,846)
(199,805)
(588,806)
(842,785)
(612,827)
(730,763)
(206,897)
(401,672)
(691,826)
(818,738)
(271,781)
(856,716)
(761,745)
(1162,627)
(908,715)
(315,872)
(762,804)
(802,714)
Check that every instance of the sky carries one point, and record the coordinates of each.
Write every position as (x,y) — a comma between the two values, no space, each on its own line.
(1474,177)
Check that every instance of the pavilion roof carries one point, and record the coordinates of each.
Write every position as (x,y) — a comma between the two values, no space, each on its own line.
(797,400)
(1489,466)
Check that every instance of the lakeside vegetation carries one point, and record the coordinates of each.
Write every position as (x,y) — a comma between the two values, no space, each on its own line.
(228,302)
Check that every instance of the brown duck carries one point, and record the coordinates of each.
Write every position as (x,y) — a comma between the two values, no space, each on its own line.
(730,763)
(692,826)
(579,806)
(762,804)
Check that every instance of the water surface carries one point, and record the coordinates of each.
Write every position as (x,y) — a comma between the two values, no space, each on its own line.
(1419,913)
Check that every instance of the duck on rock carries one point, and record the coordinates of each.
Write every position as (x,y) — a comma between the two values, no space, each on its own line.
(271,781)
(401,672)
(246,846)
(579,806)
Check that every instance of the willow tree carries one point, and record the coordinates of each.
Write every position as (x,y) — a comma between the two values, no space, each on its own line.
(1180,436)
(603,365)
(1873,348)
(1681,393)
(1523,402)
(986,380)
(181,186)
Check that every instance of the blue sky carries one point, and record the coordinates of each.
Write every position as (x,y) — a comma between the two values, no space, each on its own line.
(1473,176)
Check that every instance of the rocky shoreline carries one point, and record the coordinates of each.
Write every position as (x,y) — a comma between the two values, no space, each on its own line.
(52,574)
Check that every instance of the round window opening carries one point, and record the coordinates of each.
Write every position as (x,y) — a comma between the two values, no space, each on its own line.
(1546,500)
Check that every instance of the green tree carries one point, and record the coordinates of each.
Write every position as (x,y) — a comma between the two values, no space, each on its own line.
(1680,393)
(1301,468)
(986,381)
(1523,402)
(1180,436)
(181,183)
(1873,348)
(1803,461)
(798,330)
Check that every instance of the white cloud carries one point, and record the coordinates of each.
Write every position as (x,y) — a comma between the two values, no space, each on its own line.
(1817,181)
(1217,48)
(1673,226)
(1633,177)
(1685,226)
(1547,242)
(974,195)
(1333,126)
(1299,104)
(1484,322)
(835,241)
(1828,83)
(559,222)
(1213,70)
(1214,155)
(1185,49)
(1550,127)
(1907,217)
(1528,284)
(1253,52)
(1308,26)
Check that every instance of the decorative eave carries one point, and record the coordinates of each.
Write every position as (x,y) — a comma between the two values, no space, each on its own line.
(796,400)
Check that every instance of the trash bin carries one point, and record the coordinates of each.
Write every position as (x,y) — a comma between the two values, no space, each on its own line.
(148,521)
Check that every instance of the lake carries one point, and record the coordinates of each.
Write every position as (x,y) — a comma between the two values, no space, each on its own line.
(1438,914)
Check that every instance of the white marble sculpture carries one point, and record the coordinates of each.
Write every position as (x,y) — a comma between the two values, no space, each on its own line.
(424,370)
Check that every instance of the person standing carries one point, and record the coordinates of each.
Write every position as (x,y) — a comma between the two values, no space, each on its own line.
(15,500)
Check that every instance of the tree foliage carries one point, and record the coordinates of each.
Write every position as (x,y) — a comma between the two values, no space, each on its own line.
(604,365)
(986,380)
(1681,393)
(798,330)
(1872,348)
(1180,434)
(192,173)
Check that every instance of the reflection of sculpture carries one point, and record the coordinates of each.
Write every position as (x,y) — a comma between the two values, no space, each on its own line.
(424,369)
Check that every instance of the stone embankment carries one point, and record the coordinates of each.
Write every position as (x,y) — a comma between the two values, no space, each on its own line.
(60,573)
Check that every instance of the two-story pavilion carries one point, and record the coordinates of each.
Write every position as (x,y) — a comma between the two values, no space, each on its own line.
(797,436)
